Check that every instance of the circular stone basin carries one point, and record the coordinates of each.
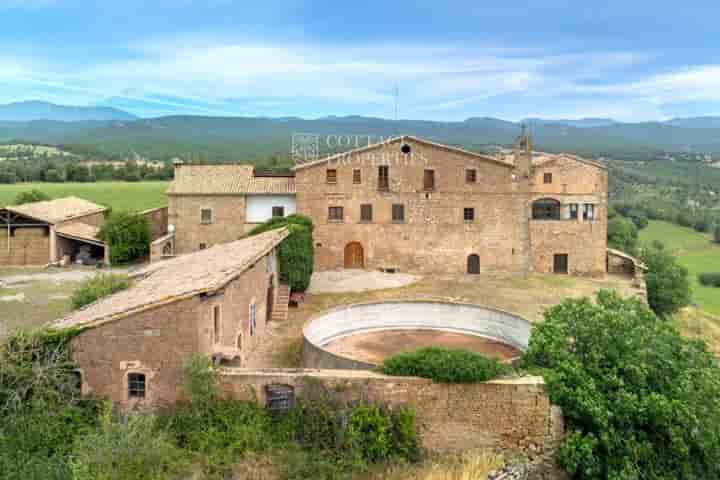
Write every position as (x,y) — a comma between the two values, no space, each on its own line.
(362,336)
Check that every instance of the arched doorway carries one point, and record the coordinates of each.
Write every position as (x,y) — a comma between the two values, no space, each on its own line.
(354,257)
(473,264)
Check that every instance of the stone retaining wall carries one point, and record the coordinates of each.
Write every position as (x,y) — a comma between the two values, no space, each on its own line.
(513,415)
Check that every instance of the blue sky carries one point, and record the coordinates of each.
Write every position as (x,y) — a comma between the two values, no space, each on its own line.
(631,60)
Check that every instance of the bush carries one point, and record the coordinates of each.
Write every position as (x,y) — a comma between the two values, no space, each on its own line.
(130,447)
(127,234)
(716,234)
(667,283)
(622,235)
(98,287)
(639,218)
(296,252)
(710,279)
(444,365)
(31,196)
(639,400)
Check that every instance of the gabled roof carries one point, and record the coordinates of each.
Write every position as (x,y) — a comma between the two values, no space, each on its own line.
(58,210)
(541,159)
(403,138)
(229,179)
(203,272)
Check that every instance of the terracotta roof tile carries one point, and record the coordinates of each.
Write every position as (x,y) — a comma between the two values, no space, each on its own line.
(179,278)
(59,210)
(211,179)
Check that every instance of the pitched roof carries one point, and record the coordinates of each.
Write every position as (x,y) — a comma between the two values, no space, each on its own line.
(58,210)
(79,230)
(229,179)
(182,277)
(542,158)
(401,139)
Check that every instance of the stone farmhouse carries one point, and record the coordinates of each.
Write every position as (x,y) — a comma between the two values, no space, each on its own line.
(53,231)
(409,204)
(133,344)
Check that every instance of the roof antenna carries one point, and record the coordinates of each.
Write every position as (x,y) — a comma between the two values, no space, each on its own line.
(397,98)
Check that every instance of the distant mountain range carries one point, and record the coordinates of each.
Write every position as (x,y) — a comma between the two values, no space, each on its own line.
(257,138)
(37,110)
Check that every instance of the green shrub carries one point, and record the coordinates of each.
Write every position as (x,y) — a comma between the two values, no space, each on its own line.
(668,288)
(31,196)
(716,234)
(710,279)
(639,400)
(297,252)
(127,234)
(127,447)
(97,287)
(622,234)
(444,365)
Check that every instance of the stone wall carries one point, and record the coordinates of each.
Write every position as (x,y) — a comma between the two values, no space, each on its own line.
(228,220)
(26,246)
(504,415)
(158,220)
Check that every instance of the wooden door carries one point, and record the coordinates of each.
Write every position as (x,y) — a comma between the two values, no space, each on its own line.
(560,263)
(270,300)
(473,264)
(354,257)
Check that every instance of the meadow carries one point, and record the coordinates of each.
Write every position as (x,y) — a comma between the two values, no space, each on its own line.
(118,195)
(696,252)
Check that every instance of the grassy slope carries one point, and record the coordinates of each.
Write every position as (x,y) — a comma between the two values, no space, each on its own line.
(118,195)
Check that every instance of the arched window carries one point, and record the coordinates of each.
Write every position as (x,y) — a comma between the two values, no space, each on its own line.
(168,249)
(473,264)
(546,209)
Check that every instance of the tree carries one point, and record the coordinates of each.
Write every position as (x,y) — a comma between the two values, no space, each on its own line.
(667,282)
(97,287)
(31,196)
(639,400)
(127,234)
(622,235)
(716,234)
(54,175)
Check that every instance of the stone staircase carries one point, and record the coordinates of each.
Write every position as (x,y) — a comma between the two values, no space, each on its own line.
(280,309)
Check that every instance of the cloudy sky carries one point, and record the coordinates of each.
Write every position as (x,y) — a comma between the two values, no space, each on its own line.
(630,60)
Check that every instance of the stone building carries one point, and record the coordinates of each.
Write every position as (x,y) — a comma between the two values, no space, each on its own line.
(413,205)
(215,302)
(41,233)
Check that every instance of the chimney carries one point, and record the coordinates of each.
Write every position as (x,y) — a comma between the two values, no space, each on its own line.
(523,154)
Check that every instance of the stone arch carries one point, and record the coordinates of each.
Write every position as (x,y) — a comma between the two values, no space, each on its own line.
(546,209)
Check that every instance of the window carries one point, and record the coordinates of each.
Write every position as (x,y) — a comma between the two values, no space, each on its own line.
(573,211)
(469,214)
(357,176)
(253,319)
(278,212)
(383,177)
(167,250)
(471,176)
(429,180)
(136,385)
(280,398)
(398,213)
(588,211)
(335,214)
(331,175)
(473,264)
(205,216)
(546,209)
(202,246)
(405,149)
(239,342)
(216,324)
(547,178)
(366,213)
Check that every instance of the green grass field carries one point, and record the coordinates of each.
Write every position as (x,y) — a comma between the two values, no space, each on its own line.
(118,195)
(696,252)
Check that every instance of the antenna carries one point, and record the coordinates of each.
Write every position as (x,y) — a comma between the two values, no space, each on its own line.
(396,93)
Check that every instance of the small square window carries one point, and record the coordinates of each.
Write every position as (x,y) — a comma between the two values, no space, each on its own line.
(202,246)
(469,214)
(278,212)
(366,213)
(547,178)
(205,216)
(398,213)
(471,176)
(136,385)
(335,214)
(357,176)
(331,175)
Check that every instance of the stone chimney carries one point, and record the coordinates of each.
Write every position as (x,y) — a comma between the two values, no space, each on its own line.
(523,155)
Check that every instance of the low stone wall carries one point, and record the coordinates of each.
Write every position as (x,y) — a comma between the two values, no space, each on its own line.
(513,415)
(158,220)
(406,315)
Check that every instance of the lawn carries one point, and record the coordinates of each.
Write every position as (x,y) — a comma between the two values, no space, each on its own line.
(696,252)
(118,195)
